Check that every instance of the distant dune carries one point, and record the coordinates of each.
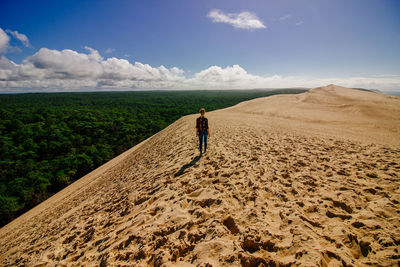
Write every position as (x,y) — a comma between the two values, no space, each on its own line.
(310,179)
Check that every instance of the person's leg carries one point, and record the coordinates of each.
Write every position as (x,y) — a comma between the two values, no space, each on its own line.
(201,141)
(205,142)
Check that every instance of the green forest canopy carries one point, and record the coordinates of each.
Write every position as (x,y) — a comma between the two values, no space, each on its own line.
(49,140)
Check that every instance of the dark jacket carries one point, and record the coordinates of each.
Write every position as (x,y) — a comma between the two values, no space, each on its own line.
(202,124)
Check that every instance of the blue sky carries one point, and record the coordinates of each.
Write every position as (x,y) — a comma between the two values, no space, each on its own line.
(200,44)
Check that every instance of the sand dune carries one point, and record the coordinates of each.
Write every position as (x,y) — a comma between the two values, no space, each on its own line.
(309,179)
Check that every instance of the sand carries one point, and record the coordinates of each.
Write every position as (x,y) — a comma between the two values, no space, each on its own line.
(309,179)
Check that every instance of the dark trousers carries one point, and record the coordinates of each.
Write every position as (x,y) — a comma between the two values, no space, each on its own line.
(203,135)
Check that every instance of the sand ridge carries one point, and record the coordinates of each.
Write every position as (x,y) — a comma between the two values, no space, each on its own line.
(309,179)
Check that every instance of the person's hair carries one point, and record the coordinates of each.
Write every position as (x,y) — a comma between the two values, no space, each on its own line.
(203,109)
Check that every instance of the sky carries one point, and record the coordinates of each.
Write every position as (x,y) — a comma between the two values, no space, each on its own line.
(179,44)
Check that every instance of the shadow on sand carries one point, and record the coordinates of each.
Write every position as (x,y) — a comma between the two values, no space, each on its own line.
(190,164)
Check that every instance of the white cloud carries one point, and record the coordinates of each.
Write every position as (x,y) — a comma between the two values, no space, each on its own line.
(68,69)
(21,37)
(4,41)
(94,54)
(54,70)
(65,64)
(242,20)
(5,46)
(285,17)
(299,23)
(228,77)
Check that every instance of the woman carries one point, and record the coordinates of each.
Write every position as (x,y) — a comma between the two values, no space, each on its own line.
(202,130)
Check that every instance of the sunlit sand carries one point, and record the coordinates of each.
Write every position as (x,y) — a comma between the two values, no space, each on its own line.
(307,179)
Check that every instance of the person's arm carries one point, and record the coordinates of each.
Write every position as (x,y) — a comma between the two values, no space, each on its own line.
(208,130)
(197,127)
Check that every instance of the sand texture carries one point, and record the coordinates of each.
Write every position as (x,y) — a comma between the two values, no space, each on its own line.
(304,180)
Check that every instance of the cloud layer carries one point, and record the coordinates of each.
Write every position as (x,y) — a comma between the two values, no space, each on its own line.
(68,70)
(243,20)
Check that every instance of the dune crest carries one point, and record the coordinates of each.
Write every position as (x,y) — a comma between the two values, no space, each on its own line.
(333,111)
(308,179)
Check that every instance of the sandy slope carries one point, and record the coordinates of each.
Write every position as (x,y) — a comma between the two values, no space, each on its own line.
(309,179)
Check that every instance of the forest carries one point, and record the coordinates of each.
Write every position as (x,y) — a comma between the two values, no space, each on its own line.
(49,140)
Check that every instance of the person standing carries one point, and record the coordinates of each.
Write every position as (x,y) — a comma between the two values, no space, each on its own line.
(202,130)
